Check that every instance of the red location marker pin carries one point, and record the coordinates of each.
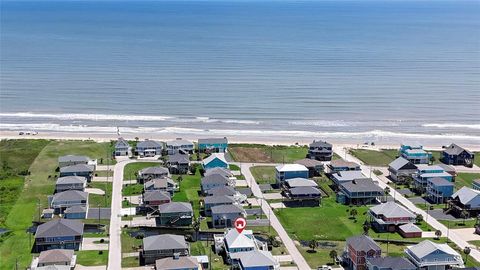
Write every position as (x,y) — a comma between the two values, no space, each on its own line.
(240,224)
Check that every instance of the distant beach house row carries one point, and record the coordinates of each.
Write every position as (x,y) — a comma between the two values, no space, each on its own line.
(456,155)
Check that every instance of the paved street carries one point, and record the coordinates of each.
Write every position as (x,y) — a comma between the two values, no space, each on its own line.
(459,240)
(275,223)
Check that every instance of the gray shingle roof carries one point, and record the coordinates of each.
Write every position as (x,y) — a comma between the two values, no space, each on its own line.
(164,241)
(391,263)
(70,195)
(175,207)
(59,227)
(362,242)
(55,256)
(75,209)
(362,185)
(305,191)
(159,183)
(300,182)
(218,199)
(121,142)
(212,141)
(439,181)
(156,195)
(73,158)
(392,210)
(400,162)
(149,144)
(454,149)
(183,262)
(224,190)
(214,179)
(227,209)
(179,142)
(410,228)
(426,247)
(343,163)
(67,180)
(468,196)
(256,258)
(309,163)
(77,168)
(218,170)
(179,158)
(157,170)
(320,143)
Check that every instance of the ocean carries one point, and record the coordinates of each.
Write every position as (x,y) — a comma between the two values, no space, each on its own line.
(356,70)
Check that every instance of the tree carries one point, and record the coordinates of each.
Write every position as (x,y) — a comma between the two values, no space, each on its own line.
(387,191)
(418,219)
(196,227)
(353,213)
(464,215)
(438,233)
(313,244)
(179,179)
(333,254)
(366,226)
(466,250)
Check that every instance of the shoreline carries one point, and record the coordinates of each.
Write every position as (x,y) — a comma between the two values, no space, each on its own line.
(103,137)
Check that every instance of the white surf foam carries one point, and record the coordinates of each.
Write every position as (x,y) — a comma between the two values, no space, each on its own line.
(452,125)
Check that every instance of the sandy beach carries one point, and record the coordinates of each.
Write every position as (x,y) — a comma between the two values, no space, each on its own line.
(102,137)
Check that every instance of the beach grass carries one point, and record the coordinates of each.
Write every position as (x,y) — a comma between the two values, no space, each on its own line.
(266,153)
(130,171)
(264,174)
(465,179)
(37,186)
(379,158)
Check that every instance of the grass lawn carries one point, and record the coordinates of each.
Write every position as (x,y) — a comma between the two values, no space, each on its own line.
(375,158)
(321,256)
(133,189)
(477,159)
(201,248)
(129,244)
(36,188)
(189,188)
(465,179)
(130,262)
(95,200)
(264,174)
(104,173)
(92,257)
(234,167)
(266,153)
(131,170)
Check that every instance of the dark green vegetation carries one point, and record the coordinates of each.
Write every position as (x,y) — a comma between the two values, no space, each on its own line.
(39,157)
(267,153)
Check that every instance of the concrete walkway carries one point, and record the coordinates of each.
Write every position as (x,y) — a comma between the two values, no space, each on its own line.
(102,179)
(274,222)
(104,168)
(81,267)
(459,240)
(95,191)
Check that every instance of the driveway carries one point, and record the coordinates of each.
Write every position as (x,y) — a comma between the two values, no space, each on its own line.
(95,191)
(273,196)
(101,179)
(104,168)
(258,222)
(130,211)
(241,183)
(467,233)
(278,205)
(88,243)
(81,267)
(139,222)
(135,199)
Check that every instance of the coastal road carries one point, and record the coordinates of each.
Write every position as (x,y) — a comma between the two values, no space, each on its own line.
(460,241)
(274,222)
(115,245)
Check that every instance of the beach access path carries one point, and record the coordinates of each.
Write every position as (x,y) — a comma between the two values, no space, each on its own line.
(115,245)
(458,239)
(274,222)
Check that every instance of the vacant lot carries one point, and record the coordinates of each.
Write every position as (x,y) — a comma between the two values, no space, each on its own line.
(465,179)
(189,189)
(131,170)
(266,153)
(375,158)
(264,174)
(95,200)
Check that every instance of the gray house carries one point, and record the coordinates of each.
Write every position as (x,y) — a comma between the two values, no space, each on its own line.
(63,200)
(430,255)
(346,176)
(75,212)
(342,165)
(82,170)
(70,160)
(222,191)
(179,146)
(57,257)
(70,183)
(163,246)
(223,216)
(320,150)
(152,173)
(122,148)
(214,181)
(177,263)
(149,148)
(315,167)
(161,184)
(155,198)
(389,263)
(255,260)
(359,192)
(401,169)
(219,170)
(212,201)
(178,163)
(58,234)
(175,214)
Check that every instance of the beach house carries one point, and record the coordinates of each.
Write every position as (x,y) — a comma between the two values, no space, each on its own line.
(389,263)
(341,177)
(315,167)
(340,165)
(254,260)
(179,146)
(430,255)
(410,230)
(54,259)
(401,170)
(213,145)
(301,192)
(386,217)
(70,160)
(456,155)
(358,250)
(162,246)
(289,171)
(82,170)
(233,242)
(161,184)
(59,202)
(70,183)
(58,234)
(149,148)
(467,199)
(154,198)
(215,160)
(214,181)
(320,150)
(414,153)
(425,172)
(175,214)
(439,190)
(219,170)
(149,173)
(211,201)
(122,148)
(359,192)
(178,263)
(178,163)
(223,190)
(223,216)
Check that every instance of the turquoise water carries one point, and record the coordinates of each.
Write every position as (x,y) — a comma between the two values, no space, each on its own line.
(355,69)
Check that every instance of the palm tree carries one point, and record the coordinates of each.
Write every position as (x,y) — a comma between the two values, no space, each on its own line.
(438,233)
(418,218)
(466,250)
(196,227)
(353,213)
(464,215)
(366,227)
(387,190)
(179,179)
(333,254)
(313,244)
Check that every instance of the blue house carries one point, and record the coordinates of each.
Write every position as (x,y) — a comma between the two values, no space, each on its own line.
(415,153)
(82,170)
(215,160)
(456,155)
(58,234)
(213,145)
(289,171)
(426,172)
(75,212)
(439,190)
